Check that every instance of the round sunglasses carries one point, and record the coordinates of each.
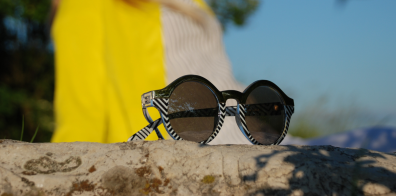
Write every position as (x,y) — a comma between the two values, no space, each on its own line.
(193,109)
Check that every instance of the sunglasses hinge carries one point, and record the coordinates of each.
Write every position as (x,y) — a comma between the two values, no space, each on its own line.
(147,99)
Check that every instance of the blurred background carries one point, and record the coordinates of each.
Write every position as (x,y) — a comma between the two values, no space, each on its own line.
(26,71)
(335,58)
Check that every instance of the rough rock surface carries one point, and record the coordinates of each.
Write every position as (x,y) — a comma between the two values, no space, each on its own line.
(187,168)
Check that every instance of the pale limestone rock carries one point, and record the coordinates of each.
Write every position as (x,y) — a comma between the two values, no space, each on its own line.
(187,168)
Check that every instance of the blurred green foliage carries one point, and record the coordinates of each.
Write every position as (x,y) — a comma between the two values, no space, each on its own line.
(26,72)
(35,10)
(27,63)
(233,11)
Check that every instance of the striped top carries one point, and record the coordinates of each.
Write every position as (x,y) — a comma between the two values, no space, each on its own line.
(193,49)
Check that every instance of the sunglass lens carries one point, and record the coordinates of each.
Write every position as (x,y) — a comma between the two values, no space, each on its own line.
(264,115)
(192,111)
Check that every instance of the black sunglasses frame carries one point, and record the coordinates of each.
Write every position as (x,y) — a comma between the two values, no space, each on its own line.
(222,96)
(159,99)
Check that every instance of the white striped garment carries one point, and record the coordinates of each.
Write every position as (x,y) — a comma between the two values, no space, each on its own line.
(193,49)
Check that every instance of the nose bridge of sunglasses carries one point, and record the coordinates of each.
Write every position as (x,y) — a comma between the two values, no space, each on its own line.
(231,94)
(231,103)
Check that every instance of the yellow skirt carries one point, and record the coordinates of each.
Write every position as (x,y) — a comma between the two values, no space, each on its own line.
(107,54)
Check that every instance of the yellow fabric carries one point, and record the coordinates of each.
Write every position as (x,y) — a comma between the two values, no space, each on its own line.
(107,54)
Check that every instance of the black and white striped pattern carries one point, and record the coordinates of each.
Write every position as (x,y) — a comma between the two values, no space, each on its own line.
(254,110)
(263,109)
(162,105)
(242,114)
(231,111)
(209,112)
(145,132)
(289,110)
(221,116)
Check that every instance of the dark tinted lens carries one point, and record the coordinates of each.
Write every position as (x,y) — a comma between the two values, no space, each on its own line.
(264,115)
(192,111)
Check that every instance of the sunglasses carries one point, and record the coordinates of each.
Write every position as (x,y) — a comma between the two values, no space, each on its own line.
(193,109)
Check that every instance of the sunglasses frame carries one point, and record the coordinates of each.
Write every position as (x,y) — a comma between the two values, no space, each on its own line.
(160,99)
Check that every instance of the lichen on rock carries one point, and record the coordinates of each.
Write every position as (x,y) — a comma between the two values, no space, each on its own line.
(45,165)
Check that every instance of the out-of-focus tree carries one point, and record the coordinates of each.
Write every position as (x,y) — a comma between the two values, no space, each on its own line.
(27,69)
(234,12)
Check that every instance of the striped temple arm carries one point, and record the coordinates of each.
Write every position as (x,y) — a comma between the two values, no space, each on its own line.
(143,133)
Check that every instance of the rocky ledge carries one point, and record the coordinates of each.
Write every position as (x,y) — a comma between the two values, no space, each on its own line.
(186,168)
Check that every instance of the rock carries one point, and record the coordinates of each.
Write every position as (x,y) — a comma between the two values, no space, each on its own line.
(187,168)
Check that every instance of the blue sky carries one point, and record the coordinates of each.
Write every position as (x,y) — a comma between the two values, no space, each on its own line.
(314,48)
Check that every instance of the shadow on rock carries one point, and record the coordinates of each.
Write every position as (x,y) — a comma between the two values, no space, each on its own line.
(325,170)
